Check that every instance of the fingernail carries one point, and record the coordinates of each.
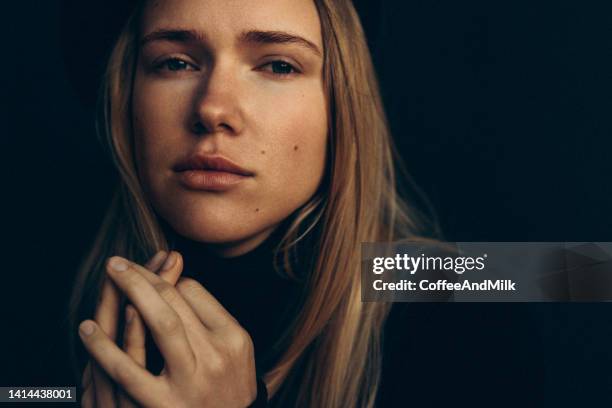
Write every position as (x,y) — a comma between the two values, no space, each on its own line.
(87,328)
(118,264)
(170,261)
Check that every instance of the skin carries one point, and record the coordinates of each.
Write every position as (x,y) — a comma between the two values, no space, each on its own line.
(225,97)
(98,390)
(209,357)
(236,99)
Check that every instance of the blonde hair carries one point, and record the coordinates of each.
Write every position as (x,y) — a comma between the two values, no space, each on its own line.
(335,336)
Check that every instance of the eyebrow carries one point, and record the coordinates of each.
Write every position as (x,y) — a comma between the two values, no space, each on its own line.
(247,37)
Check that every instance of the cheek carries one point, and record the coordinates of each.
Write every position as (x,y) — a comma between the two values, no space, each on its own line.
(155,124)
(298,140)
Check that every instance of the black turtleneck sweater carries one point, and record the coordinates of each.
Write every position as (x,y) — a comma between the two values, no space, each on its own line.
(434,354)
(261,299)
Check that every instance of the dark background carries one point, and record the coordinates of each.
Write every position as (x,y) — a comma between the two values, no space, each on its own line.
(500,110)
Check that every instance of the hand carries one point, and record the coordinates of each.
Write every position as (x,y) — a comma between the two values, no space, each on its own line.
(209,357)
(98,390)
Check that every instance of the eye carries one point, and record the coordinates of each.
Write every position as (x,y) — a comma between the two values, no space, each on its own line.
(175,64)
(281,68)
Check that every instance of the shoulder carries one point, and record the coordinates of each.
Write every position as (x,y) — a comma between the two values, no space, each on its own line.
(458,352)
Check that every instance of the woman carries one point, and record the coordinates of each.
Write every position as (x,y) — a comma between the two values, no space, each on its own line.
(240,130)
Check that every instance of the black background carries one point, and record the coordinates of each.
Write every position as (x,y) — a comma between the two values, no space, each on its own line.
(501,113)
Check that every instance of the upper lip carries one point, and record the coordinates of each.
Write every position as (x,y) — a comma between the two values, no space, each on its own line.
(200,161)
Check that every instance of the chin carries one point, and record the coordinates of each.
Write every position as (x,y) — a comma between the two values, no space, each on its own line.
(217,227)
(212,234)
(225,239)
(218,220)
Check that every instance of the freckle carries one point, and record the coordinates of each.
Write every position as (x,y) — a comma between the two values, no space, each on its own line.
(263,152)
(257,210)
(295,147)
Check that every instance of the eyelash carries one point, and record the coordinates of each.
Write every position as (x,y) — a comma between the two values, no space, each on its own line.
(293,69)
(164,65)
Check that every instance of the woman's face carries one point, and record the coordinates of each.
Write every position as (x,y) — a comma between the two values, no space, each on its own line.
(232,79)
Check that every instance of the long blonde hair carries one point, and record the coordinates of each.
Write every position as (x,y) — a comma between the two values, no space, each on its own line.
(335,336)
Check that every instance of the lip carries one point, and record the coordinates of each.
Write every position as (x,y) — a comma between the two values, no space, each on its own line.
(210,180)
(199,161)
(210,173)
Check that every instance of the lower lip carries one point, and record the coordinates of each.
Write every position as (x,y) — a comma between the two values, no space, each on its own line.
(210,180)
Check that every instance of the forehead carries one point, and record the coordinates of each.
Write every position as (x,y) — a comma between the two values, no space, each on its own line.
(222,17)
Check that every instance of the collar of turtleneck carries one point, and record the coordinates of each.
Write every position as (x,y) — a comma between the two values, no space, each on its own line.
(263,300)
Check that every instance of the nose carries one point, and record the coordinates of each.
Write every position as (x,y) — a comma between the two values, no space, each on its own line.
(216,107)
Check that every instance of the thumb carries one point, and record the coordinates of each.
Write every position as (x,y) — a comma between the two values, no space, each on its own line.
(172,268)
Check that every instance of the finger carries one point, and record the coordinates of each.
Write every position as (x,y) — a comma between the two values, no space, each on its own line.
(124,401)
(134,346)
(208,309)
(89,392)
(136,380)
(134,337)
(102,387)
(86,378)
(156,261)
(172,268)
(170,272)
(107,316)
(165,324)
(87,400)
(108,308)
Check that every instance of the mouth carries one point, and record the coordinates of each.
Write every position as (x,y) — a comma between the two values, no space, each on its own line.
(214,163)
(210,173)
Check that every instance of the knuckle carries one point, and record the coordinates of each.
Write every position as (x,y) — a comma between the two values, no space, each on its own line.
(187,285)
(217,364)
(132,280)
(239,341)
(162,286)
(169,324)
(165,290)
